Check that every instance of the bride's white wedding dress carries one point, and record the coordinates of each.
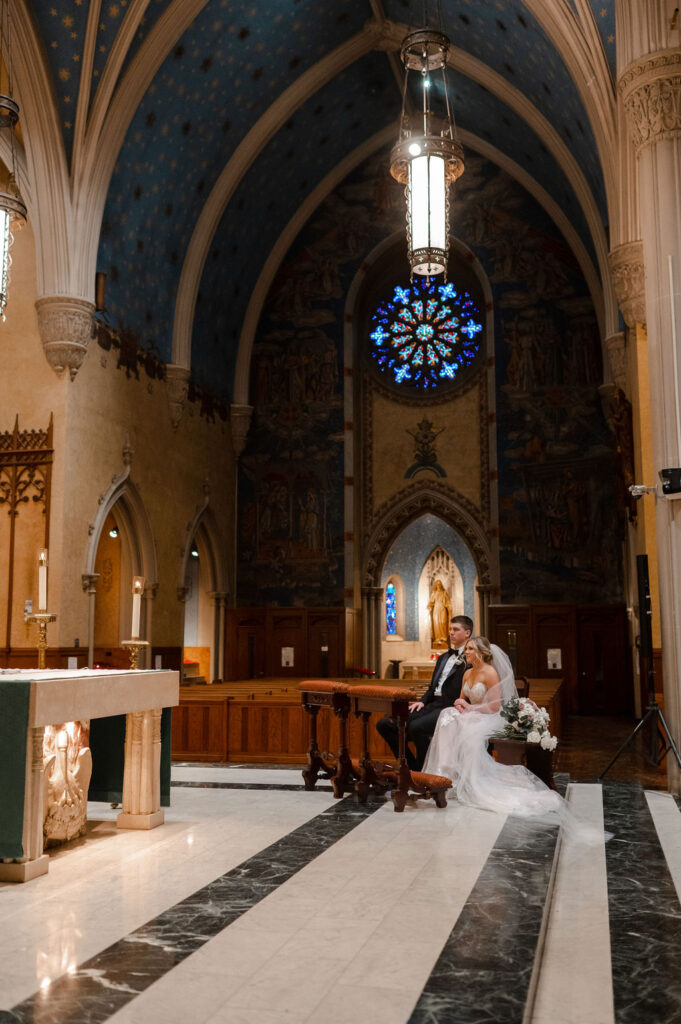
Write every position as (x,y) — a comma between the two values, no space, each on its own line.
(459,750)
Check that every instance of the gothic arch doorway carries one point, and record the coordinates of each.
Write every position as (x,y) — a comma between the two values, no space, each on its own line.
(121,547)
(204,604)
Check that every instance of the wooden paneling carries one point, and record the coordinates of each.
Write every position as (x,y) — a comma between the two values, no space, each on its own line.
(254,638)
(263,722)
(286,628)
(594,645)
(200,730)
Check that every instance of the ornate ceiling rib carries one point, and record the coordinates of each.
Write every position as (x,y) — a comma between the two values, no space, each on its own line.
(242,158)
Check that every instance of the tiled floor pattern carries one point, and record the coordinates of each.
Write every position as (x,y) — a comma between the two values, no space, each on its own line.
(275,905)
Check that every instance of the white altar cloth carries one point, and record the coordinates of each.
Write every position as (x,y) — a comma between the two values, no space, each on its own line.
(58,695)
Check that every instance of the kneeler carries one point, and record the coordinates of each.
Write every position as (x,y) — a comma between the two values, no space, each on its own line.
(404,785)
(326,693)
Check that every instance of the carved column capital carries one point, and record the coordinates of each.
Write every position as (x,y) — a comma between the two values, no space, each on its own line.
(240,421)
(89,582)
(629,280)
(66,328)
(183,593)
(220,597)
(651,93)
(616,346)
(177,388)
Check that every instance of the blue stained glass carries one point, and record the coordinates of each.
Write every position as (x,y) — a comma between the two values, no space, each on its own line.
(426,328)
(390,609)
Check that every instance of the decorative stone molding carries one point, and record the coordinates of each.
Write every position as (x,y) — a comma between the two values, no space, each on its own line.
(177,381)
(628,276)
(651,93)
(240,419)
(617,354)
(66,328)
(89,582)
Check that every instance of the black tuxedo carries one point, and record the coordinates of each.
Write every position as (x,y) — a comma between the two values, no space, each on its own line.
(421,724)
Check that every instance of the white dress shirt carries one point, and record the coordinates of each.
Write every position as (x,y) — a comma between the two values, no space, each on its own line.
(447,670)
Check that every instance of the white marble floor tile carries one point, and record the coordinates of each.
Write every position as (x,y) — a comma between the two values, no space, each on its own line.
(127,878)
(575,980)
(667,819)
(261,776)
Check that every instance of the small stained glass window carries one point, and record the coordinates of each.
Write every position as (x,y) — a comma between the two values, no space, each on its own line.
(426,334)
(390,610)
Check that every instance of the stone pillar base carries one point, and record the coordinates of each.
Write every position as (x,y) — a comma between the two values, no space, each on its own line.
(25,871)
(144,821)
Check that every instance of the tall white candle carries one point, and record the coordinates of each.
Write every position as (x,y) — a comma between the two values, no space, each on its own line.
(42,581)
(137,589)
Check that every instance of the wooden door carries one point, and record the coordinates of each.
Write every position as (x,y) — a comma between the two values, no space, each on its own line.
(605,675)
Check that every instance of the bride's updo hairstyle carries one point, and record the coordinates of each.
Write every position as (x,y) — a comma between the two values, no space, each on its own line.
(481,644)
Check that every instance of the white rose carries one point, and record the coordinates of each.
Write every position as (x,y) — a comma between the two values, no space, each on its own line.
(533,737)
(548,742)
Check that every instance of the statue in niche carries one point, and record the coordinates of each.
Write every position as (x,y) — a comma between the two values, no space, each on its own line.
(440,608)
(68,767)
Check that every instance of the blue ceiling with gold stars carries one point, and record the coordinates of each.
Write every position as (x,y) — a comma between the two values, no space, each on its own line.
(221,75)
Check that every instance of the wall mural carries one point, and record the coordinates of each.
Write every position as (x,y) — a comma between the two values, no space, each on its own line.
(560,531)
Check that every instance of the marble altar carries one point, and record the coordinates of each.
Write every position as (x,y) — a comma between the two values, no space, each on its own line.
(30,700)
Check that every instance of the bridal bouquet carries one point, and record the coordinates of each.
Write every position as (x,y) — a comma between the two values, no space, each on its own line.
(526,721)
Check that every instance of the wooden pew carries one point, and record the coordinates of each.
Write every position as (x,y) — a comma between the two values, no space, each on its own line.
(261,721)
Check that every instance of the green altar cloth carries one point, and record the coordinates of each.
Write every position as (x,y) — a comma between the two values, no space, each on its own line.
(107,743)
(14,705)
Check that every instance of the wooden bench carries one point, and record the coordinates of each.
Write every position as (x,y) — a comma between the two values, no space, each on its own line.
(363,773)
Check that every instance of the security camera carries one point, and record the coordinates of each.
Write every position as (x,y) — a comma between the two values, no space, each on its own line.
(671,480)
(638,490)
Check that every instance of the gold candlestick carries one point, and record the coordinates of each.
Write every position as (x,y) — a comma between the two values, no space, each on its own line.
(42,618)
(134,647)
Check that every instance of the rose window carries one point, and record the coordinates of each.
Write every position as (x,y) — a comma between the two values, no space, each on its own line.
(426,335)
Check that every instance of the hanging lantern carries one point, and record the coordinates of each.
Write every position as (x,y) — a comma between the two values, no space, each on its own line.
(12,207)
(427,156)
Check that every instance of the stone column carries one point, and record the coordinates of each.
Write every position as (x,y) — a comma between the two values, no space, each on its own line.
(141,806)
(66,327)
(89,582)
(371,627)
(650,89)
(150,591)
(218,649)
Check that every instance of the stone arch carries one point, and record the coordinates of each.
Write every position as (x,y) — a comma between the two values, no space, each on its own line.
(202,531)
(414,501)
(124,500)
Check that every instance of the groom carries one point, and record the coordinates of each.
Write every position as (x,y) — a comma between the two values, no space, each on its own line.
(445,687)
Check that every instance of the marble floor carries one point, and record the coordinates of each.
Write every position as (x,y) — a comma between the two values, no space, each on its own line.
(259,903)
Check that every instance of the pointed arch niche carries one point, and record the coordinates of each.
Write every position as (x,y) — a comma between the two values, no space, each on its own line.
(204,600)
(121,546)
(427,549)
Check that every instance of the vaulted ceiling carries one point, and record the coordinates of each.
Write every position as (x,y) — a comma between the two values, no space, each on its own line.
(197,129)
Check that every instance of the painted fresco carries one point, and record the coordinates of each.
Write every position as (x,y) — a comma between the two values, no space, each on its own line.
(561,520)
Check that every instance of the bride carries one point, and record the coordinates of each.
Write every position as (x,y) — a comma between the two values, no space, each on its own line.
(459,746)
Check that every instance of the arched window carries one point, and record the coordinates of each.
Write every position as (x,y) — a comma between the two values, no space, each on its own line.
(390,610)
(426,335)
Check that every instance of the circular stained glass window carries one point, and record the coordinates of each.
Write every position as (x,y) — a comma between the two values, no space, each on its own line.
(426,335)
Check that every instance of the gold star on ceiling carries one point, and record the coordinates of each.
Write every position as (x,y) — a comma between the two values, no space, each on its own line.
(64,74)
(67,21)
(604,11)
